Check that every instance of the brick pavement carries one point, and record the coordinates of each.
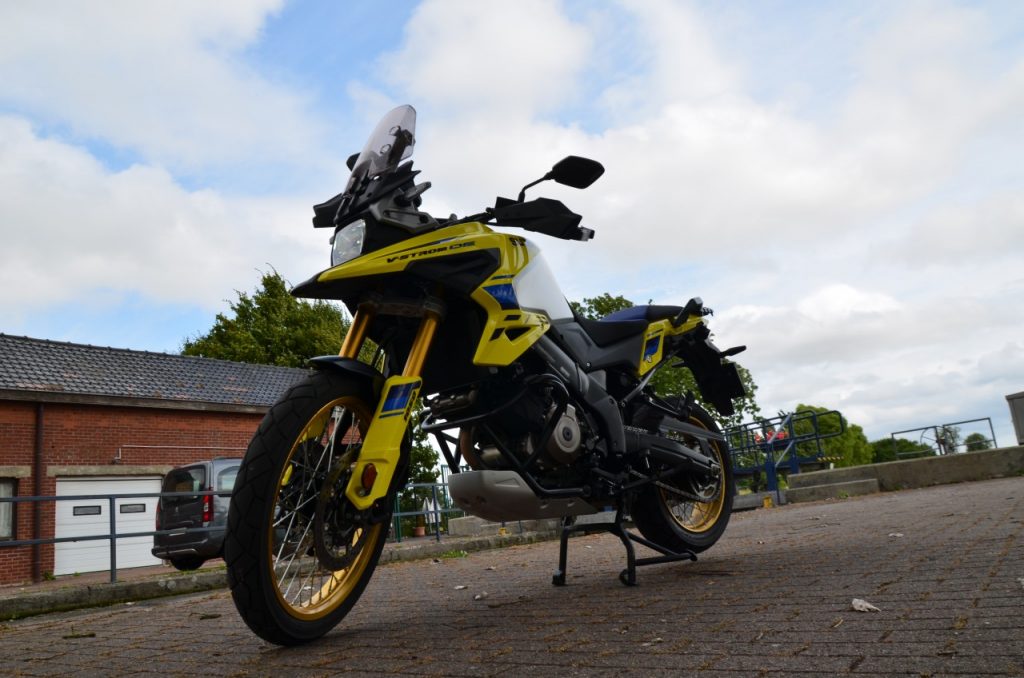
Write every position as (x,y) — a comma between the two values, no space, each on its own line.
(773,597)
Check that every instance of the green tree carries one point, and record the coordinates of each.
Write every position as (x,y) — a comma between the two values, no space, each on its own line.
(883,450)
(850,448)
(599,307)
(674,382)
(976,442)
(271,327)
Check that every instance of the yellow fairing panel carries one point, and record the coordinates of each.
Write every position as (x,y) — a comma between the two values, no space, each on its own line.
(383,443)
(654,341)
(509,329)
(654,346)
(394,259)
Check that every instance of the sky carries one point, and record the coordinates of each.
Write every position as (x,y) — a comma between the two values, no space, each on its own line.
(840,181)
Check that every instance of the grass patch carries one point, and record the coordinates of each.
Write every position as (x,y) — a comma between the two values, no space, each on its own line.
(453,554)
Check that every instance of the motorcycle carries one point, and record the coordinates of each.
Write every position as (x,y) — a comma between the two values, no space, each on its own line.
(538,412)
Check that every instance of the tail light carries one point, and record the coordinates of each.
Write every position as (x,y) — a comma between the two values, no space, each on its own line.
(207,510)
(158,503)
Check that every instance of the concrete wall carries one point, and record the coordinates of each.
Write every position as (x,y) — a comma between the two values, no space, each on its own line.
(900,475)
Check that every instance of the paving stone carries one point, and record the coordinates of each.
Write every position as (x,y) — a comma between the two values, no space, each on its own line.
(948,592)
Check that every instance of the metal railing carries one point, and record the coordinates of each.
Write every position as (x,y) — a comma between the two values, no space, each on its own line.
(113,535)
(441,509)
(943,439)
(784,443)
(438,509)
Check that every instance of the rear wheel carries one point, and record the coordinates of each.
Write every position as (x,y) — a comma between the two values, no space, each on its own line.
(688,514)
(299,554)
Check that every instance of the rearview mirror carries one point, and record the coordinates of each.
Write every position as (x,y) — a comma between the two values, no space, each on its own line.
(570,171)
(576,171)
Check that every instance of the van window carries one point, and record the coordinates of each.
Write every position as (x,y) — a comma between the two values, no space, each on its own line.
(189,479)
(226,479)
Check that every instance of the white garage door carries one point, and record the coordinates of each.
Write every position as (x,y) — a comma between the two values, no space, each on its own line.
(79,518)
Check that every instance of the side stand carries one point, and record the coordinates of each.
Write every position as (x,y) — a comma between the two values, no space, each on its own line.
(627,576)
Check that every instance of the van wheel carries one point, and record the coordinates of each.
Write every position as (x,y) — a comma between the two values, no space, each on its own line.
(187,564)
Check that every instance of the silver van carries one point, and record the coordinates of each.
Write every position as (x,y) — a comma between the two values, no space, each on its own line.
(188,550)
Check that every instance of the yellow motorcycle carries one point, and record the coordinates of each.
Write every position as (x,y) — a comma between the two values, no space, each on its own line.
(551,413)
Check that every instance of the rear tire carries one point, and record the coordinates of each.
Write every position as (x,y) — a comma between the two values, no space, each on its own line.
(289,514)
(680,524)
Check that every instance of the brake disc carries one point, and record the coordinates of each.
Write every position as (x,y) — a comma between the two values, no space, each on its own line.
(339,529)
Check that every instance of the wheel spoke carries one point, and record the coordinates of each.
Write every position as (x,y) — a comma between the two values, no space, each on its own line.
(308,517)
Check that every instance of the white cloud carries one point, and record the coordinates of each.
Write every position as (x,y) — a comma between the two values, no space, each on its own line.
(499,57)
(681,64)
(73,229)
(163,80)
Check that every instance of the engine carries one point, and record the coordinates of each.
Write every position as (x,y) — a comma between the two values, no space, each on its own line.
(514,418)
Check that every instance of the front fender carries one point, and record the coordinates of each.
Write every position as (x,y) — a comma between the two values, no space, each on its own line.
(386,444)
(373,379)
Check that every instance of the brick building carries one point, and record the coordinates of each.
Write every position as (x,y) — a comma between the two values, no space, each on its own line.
(78,419)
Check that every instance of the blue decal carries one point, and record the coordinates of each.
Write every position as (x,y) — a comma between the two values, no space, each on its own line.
(398,397)
(505,294)
(651,348)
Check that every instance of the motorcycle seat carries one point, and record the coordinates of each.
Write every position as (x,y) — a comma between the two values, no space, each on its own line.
(624,324)
(605,333)
(647,313)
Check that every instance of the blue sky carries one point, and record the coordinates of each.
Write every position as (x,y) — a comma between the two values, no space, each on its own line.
(840,181)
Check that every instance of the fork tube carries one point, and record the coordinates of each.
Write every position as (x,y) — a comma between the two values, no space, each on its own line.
(418,353)
(356,334)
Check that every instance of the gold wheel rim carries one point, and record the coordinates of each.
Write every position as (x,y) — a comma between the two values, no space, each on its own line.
(305,588)
(695,516)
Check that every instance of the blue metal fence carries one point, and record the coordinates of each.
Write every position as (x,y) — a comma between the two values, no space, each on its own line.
(762,449)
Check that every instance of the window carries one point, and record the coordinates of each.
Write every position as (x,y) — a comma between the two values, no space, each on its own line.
(189,479)
(226,479)
(6,509)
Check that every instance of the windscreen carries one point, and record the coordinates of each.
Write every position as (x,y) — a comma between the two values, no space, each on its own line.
(390,143)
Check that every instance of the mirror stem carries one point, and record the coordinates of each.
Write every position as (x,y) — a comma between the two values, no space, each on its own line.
(522,193)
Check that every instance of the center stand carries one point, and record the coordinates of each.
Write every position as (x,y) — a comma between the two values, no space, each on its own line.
(627,576)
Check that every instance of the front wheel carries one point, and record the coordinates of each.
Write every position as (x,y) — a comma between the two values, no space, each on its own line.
(687,514)
(299,554)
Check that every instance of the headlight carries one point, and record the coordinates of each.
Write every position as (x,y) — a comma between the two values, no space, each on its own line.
(348,243)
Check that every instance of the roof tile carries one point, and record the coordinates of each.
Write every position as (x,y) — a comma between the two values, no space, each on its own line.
(41,365)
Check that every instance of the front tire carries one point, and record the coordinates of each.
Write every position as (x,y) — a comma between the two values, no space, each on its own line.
(680,523)
(298,553)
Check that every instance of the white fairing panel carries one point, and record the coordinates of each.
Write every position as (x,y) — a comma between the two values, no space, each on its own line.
(537,289)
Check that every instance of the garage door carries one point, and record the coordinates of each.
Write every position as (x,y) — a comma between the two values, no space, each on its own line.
(79,518)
